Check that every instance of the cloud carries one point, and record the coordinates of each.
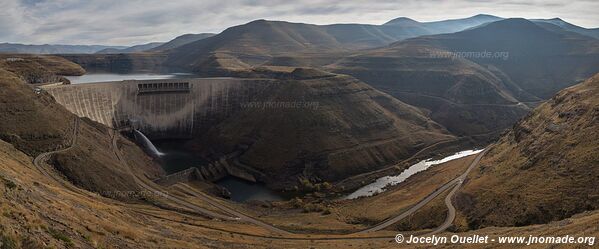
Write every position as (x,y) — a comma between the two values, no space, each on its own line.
(117,22)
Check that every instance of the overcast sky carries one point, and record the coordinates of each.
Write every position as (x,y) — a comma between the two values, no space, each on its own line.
(127,22)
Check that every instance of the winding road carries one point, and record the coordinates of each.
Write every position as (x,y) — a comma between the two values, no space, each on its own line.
(448,201)
(235,215)
(42,158)
(449,198)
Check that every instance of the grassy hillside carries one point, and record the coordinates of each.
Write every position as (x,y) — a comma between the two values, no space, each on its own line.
(34,123)
(544,168)
(336,127)
(461,95)
(40,68)
(475,95)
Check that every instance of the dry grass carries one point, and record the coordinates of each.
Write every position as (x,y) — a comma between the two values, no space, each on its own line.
(544,169)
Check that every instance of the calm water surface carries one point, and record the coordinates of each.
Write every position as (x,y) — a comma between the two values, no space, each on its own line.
(103,77)
(382,183)
(176,158)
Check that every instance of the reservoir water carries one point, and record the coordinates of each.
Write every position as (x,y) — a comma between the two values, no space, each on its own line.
(382,183)
(103,77)
(242,191)
(175,157)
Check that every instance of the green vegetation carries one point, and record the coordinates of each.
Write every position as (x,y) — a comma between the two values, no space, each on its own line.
(7,242)
(59,235)
(10,184)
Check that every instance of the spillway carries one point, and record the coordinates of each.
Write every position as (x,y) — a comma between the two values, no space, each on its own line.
(147,143)
(166,108)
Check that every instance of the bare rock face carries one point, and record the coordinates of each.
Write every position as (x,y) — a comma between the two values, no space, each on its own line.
(544,169)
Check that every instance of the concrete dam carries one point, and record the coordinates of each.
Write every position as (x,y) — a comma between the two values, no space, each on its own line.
(166,108)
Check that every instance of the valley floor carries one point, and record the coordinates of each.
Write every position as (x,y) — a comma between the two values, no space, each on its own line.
(40,211)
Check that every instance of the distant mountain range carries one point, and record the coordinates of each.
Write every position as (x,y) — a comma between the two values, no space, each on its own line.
(256,41)
(300,36)
(476,96)
(181,40)
(53,49)
(100,49)
(132,49)
(446,26)
(569,27)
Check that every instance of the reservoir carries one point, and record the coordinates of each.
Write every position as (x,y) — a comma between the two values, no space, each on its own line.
(103,77)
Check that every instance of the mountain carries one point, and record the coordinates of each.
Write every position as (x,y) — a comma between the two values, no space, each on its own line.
(467,92)
(539,60)
(445,26)
(53,49)
(568,26)
(182,40)
(259,41)
(132,49)
(544,169)
(361,36)
(322,127)
(255,42)
(464,97)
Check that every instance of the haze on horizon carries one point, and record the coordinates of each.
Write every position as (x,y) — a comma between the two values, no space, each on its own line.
(115,22)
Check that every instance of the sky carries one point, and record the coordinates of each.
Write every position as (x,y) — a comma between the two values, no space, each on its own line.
(129,22)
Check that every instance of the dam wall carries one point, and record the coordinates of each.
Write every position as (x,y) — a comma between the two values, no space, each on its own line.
(166,108)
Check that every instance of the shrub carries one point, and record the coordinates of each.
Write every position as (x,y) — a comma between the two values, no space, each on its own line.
(7,242)
(60,236)
(10,184)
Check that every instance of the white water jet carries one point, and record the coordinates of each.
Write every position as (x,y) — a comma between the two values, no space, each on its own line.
(380,184)
(140,137)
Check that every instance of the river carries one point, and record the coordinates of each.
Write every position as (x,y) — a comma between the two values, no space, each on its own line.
(384,182)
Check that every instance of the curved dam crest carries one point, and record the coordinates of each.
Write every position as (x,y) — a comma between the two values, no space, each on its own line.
(163,108)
